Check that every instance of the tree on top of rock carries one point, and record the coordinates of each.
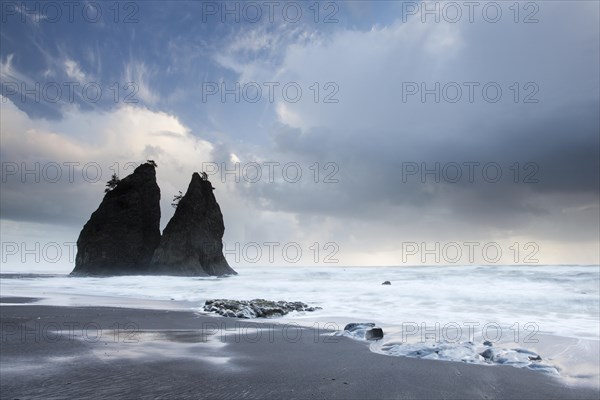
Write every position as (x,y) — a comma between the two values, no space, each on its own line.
(204,177)
(110,185)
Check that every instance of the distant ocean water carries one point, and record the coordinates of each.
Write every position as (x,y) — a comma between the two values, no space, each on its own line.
(456,305)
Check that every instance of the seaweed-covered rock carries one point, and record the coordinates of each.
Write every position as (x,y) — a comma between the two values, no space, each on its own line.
(257,308)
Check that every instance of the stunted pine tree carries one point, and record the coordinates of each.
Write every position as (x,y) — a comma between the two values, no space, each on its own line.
(110,185)
(176,199)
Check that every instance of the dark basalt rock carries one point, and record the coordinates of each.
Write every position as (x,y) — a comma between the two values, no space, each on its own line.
(121,235)
(191,244)
(257,308)
(488,354)
(374,334)
(363,330)
(355,326)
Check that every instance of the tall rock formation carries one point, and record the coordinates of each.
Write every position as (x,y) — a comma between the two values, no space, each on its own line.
(122,234)
(191,244)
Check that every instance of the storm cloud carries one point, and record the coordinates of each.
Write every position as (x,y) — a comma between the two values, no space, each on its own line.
(403,128)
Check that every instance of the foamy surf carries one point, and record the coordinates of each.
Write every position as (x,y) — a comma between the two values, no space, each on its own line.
(442,313)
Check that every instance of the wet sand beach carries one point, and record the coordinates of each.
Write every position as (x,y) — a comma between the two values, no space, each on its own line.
(101,352)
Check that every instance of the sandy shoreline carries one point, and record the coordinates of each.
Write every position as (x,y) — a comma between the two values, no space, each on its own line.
(102,352)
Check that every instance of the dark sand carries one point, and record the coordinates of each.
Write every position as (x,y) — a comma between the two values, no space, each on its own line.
(173,354)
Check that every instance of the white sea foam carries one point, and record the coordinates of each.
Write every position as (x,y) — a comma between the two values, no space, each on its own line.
(449,305)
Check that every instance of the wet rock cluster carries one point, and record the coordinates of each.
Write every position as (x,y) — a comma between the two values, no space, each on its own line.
(257,308)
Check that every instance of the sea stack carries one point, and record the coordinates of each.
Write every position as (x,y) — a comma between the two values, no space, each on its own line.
(191,244)
(123,233)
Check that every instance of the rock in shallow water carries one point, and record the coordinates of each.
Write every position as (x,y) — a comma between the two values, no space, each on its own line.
(257,308)
(488,354)
(468,352)
(374,334)
(510,356)
(363,330)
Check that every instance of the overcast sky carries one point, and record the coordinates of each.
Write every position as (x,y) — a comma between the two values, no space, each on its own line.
(364,133)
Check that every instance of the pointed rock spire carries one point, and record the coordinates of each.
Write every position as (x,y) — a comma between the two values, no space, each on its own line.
(122,234)
(191,243)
